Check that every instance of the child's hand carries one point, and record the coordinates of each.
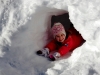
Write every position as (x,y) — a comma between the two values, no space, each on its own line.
(52,58)
(43,52)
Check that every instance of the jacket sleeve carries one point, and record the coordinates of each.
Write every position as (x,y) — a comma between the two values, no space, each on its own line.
(65,48)
(51,45)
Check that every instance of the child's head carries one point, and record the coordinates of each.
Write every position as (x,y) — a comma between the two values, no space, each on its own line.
(59,32)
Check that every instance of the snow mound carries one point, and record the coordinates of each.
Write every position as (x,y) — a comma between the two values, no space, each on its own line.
(85,59)
(24,28)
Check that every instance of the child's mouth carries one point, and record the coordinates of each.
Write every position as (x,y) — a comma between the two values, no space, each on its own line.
(61,40)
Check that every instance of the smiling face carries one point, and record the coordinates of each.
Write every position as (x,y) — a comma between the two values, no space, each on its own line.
(58,32)
(60,37)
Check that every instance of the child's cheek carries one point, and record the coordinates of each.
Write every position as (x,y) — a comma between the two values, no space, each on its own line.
(57,39)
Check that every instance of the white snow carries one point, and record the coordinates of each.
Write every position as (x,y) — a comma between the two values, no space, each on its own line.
(25,28)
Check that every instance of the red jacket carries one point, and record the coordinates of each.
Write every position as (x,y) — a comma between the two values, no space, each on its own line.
(73,41)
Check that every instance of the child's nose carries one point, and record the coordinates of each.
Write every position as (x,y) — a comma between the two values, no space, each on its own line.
(60,38)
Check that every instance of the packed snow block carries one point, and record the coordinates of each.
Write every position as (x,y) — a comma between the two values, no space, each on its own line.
(63,18)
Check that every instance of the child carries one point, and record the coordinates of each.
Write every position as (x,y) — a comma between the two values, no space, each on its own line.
(62,43)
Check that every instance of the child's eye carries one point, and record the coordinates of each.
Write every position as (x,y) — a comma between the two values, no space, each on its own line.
(57,36)
(62,34)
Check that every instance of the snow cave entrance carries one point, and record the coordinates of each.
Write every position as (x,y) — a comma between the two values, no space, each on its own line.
(44,18)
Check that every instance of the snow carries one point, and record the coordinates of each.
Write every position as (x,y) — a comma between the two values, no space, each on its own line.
(25,28)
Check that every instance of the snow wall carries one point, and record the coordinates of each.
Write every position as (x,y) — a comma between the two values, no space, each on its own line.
(18,17)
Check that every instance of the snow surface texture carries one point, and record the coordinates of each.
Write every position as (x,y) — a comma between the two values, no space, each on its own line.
(24,28)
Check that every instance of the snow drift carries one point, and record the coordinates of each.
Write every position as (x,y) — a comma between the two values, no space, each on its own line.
(24,28)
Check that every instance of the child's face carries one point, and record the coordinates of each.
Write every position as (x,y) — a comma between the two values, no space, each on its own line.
(60,37)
